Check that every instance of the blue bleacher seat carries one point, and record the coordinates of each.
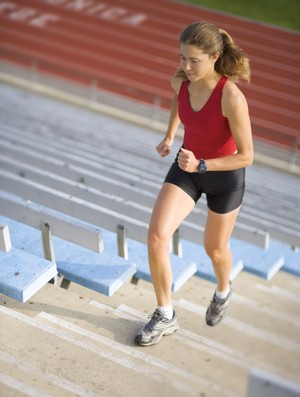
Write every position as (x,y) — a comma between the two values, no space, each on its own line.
(104,272)
(23,274)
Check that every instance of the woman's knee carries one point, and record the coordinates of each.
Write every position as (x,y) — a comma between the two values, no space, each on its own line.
(217,254)
(157,239)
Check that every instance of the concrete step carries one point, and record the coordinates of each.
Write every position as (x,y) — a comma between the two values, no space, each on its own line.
(95,331)
(265,384)
(54,117)
(89,341)
(280,228)
(73,206)
(74,365)
(260,185)
(252,218)
(74,152)
(93,165)
(135,209)
(125,153)
(257,189)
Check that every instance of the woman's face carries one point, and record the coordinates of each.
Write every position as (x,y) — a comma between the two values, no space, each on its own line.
(195,63)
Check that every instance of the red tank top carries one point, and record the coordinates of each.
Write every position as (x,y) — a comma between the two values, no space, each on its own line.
(206,133)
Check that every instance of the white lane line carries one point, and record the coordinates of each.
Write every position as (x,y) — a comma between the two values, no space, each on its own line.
(21,386)
(83,344)
(189,338)
(296,283)
(237,325)
(129,364)
(196,341)
(50,377)
(257,306)
(134,352)
(274,290)
(132,314)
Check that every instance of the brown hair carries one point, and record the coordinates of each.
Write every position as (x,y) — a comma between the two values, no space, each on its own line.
(232,61)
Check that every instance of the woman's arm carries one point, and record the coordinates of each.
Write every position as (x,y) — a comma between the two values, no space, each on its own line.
(235,109)
(163,148)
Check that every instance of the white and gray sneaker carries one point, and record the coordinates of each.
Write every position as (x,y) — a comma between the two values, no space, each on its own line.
(217,309)
(156,328)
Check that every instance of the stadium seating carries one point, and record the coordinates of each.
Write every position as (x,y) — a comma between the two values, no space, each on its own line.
(76,193)
(100,176)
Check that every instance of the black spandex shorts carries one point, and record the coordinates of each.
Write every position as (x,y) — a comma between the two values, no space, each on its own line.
(224,189)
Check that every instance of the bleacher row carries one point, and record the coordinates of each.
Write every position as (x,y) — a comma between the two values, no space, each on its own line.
(92,182)
(76,193)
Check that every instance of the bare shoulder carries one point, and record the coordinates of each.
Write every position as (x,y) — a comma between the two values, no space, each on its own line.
(233,98)
(177,80)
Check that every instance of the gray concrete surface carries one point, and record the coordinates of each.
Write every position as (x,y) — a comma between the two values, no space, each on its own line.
(80,343)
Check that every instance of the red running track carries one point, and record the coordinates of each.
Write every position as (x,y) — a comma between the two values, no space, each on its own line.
(131,47)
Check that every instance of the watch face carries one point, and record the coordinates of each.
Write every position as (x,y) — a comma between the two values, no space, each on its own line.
(202,166)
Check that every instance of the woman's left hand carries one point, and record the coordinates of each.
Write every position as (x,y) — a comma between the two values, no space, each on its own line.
(187,161)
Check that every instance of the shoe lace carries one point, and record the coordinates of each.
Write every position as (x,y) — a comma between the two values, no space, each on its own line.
(154,319)
(216,305)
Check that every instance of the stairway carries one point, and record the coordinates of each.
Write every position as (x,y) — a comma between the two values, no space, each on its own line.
(77,342)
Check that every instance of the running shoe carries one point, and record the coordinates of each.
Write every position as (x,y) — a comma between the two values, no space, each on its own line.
(156,328)
(217,309)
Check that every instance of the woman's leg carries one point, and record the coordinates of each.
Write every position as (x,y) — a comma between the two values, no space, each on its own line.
(170,209)
(218,230)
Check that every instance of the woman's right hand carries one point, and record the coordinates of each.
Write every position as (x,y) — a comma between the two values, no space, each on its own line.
(164,147)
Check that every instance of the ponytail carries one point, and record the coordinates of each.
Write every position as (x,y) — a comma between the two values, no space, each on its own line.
(232,61)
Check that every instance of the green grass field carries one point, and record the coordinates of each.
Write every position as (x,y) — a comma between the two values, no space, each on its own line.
(284,13)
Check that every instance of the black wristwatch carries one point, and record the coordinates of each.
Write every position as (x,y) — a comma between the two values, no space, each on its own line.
(202,167)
